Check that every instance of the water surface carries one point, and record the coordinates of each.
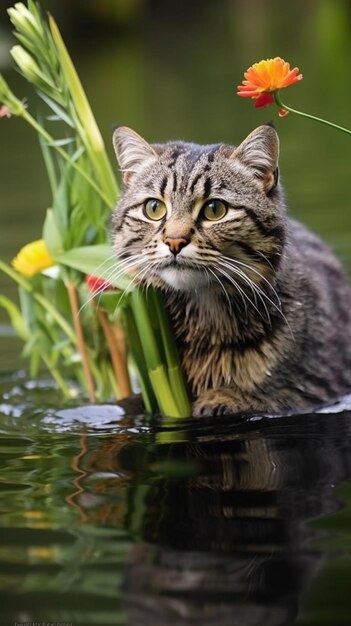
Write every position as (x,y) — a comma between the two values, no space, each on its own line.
(108,520)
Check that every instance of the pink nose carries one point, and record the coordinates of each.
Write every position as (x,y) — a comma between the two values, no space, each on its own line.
(176,244)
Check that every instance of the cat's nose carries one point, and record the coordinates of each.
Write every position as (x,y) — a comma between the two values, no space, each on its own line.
(176,244)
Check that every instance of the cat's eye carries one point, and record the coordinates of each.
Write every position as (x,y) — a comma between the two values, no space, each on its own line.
(214,210)
(155,209)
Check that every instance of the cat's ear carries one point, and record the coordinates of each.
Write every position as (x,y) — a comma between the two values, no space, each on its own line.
(132,152)
(260,152)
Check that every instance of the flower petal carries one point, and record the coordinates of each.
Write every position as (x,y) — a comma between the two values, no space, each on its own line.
(264,100)
(97,285)
(4,111)
(32,258)
(268,76)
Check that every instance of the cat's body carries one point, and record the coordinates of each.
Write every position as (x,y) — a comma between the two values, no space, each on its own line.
(261,309)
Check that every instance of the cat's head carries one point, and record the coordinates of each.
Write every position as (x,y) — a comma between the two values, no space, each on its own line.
(194,215)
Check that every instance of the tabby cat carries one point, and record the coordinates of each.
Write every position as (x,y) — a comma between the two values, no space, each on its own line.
(261,309)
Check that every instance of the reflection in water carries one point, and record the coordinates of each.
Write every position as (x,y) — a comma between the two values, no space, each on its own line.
(230,543)
(194,523)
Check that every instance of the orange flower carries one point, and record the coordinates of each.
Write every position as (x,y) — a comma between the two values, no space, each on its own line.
(264,78)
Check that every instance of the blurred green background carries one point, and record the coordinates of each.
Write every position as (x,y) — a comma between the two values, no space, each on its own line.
(169,70)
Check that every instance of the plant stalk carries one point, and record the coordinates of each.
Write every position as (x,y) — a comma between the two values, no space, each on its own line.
(73,298)
(46,304)
(118,363)
(281,105)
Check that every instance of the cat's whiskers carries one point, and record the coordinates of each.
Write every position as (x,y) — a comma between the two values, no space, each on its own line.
(118,261)
(112,276)
(266,259)
(255,271)
(138,275)
(213,258)
(275,306)
(256,291)
(232,264)
(222,287)
(243,293)
(126,267)
(99,268)
(205,270)
(100,273)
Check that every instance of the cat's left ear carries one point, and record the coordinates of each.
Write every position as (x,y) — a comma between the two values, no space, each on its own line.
(260,152)
(132,152)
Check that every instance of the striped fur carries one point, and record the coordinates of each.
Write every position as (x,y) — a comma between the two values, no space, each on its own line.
(260,308)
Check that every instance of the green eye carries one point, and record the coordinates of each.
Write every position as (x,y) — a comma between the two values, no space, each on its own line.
(155,209)
(214,210)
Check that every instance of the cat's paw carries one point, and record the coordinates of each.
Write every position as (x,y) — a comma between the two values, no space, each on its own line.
(215,403)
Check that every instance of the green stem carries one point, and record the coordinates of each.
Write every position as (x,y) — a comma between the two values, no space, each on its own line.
(51,141)
(136,349)
(281,104)
(46,304)
(49,164)
(175,374)
(50,308)
(81,344)
(57,377)
(163,392)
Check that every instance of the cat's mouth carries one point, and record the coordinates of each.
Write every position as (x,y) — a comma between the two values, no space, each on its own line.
(181,275)
(178,263)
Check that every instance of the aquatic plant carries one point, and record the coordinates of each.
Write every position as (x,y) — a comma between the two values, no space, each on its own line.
(78,310)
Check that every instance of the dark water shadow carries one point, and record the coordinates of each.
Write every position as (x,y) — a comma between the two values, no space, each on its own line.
(221,519)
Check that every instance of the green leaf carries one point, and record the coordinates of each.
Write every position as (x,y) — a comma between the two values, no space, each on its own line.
(96,260)
(61,206)
(16,317)
(20,280)
(28,308)
(61,114)
(49,163)
(110,301)
(51,234)
(93,139)
(63,142)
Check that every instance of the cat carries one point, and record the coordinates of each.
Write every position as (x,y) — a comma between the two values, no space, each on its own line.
(260,307)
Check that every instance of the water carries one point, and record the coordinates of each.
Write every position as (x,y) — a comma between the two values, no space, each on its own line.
(106,519)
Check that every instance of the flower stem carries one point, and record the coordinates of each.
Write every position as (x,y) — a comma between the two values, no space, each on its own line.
(73,298)
(281,105)
(118,363)
(44,302)
(57,377)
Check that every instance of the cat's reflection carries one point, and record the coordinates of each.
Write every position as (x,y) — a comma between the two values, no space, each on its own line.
(231,545)
(222,528)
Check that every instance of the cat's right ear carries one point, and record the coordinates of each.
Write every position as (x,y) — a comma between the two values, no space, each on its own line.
(132,152)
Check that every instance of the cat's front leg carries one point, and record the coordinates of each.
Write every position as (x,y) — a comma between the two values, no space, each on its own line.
(222,401)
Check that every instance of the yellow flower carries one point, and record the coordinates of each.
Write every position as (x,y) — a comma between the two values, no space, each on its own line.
(32,258)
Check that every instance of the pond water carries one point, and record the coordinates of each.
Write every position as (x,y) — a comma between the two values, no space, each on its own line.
(105,518)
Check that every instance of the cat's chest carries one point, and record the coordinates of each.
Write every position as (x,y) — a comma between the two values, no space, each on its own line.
(217,348)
